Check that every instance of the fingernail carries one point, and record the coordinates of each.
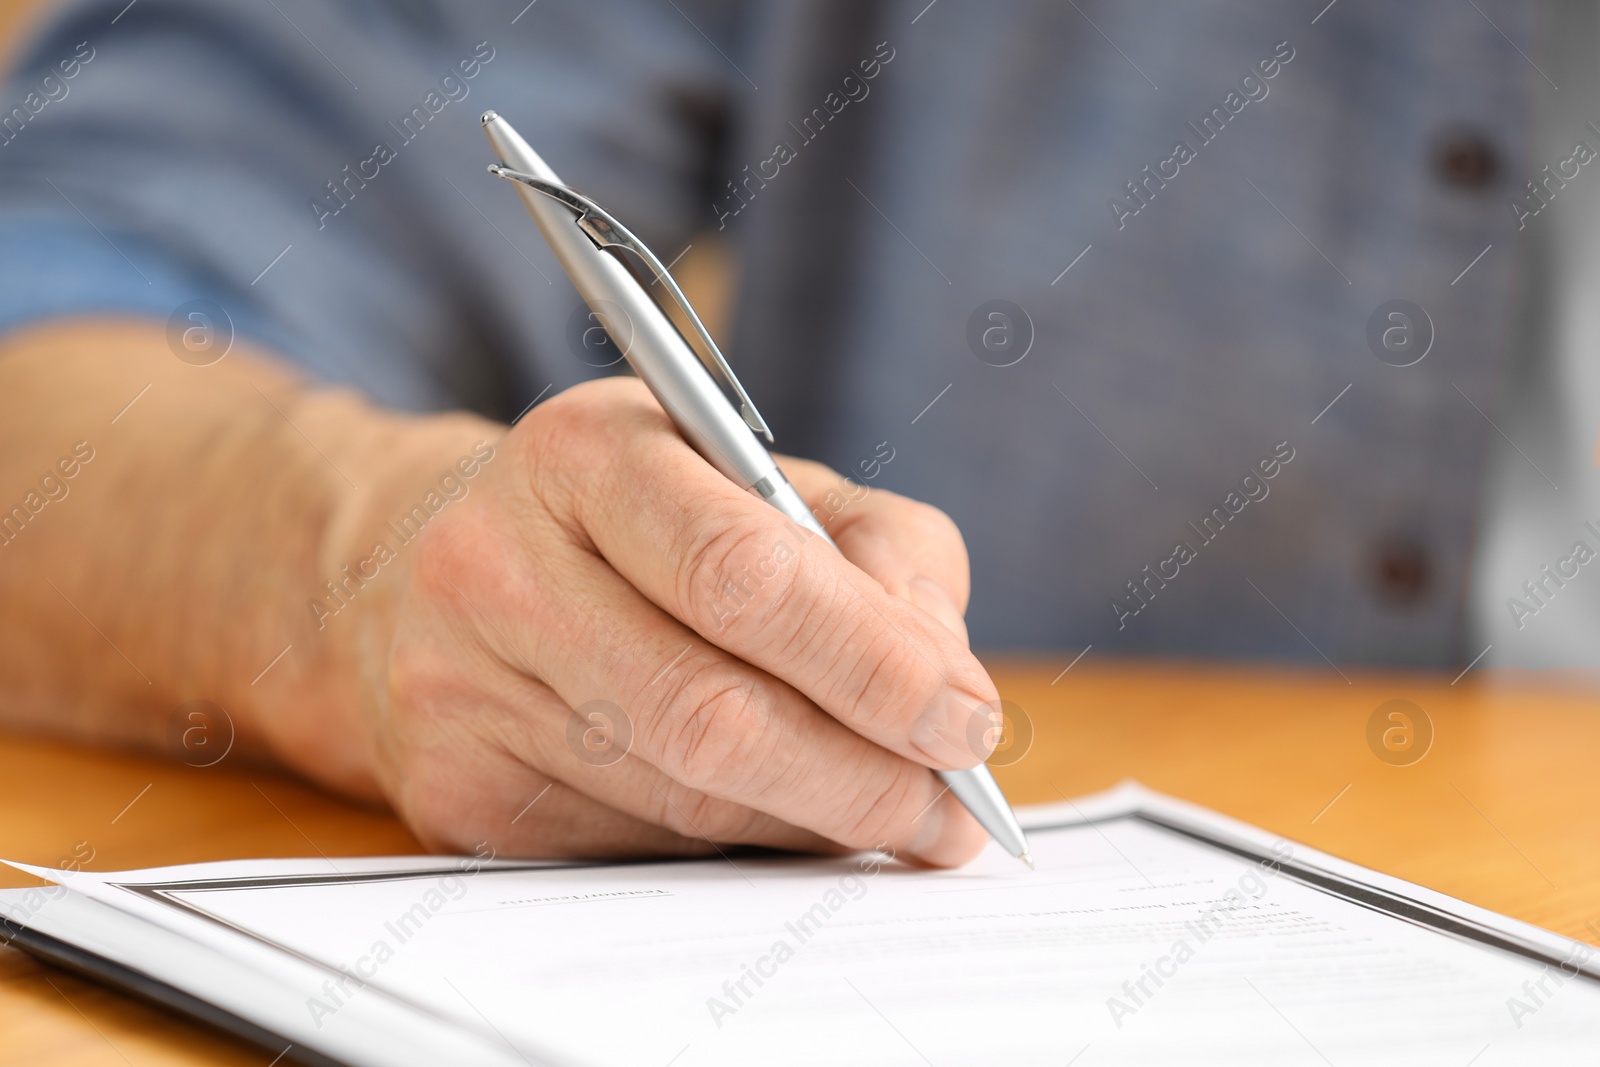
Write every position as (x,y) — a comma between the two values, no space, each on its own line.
(957,730)
(931,597)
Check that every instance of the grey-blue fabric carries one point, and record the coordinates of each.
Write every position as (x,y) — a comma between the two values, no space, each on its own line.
(886,172)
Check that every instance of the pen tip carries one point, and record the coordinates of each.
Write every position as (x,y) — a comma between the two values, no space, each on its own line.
(488,117)
(1027,857)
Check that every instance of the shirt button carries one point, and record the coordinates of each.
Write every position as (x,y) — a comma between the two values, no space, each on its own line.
(1464,159)
(1401,573)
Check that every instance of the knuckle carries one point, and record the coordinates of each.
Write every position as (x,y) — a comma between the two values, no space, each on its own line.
(708,727)
(459,578)
(882,809)
(933,523)
(568,440)
(445,552)
(434,712)
(420,681)
(555,436)
(938,540)
(482,568)
(872,689)
(679,809)
(731,571)
(694,814)
(585,405)
(899,537)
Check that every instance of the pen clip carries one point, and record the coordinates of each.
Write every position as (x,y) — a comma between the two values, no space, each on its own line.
(606,232)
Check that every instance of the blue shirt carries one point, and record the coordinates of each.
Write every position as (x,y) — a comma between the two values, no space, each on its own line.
(1110,284)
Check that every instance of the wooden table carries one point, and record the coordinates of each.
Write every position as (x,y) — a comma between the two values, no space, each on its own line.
(1503,810)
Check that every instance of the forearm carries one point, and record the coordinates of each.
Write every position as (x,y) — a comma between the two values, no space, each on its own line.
(184,555)
(376,608)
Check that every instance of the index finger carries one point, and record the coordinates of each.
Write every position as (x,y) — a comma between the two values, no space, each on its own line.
(753,582)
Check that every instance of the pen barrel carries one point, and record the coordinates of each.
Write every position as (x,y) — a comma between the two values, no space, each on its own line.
(655,349)
(648,340)
(705,416)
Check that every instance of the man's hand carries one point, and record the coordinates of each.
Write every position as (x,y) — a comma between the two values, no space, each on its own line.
(764,688)
(451,592)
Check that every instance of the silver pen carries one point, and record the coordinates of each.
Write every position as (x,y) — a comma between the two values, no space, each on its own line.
(694,386)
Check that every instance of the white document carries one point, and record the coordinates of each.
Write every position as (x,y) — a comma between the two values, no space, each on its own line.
(1152,932)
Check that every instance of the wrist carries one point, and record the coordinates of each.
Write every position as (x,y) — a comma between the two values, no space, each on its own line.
(395,475)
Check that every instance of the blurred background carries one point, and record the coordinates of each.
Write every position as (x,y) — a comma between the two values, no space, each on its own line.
(1217,326)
